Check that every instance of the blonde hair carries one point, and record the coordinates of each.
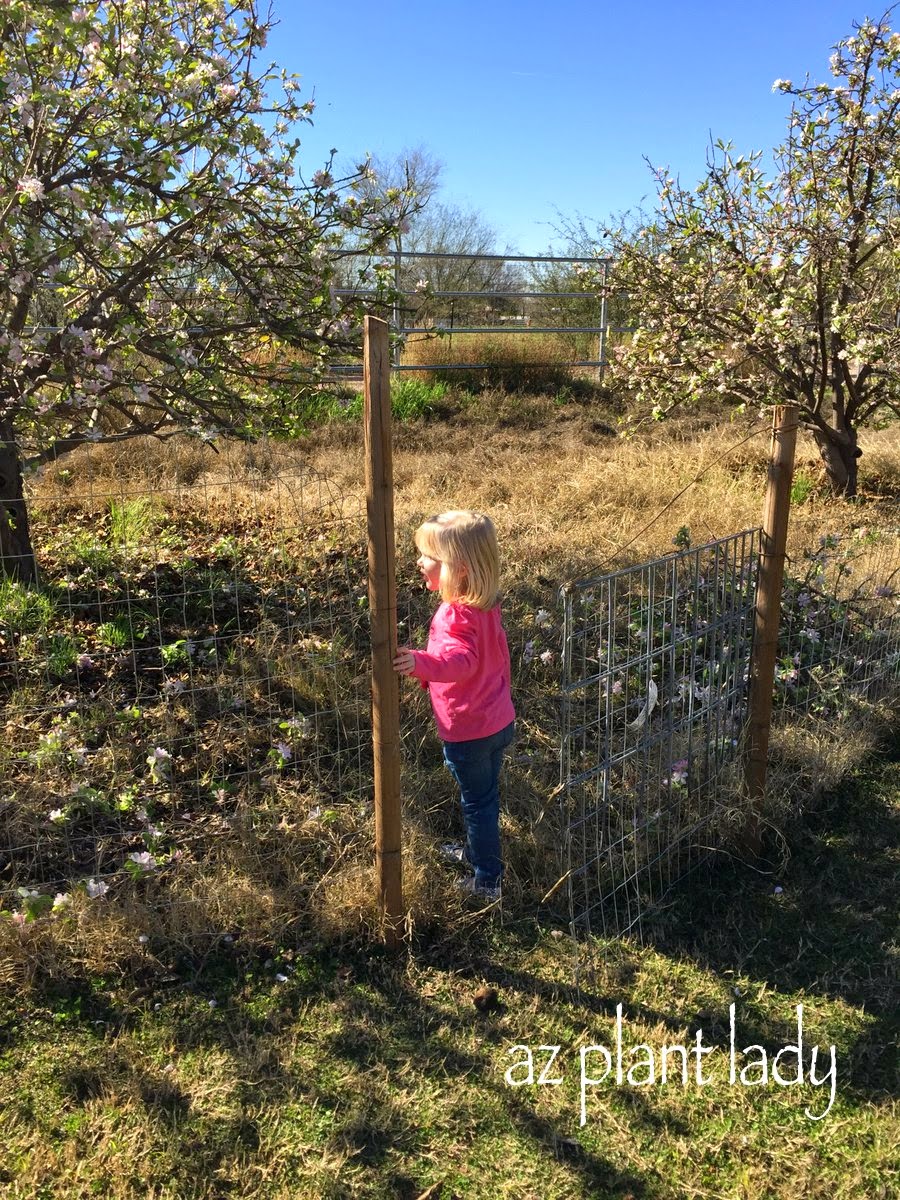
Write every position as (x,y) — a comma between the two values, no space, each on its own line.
(465,544)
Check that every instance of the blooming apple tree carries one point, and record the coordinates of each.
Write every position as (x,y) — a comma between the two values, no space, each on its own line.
(783,289)
(164,263)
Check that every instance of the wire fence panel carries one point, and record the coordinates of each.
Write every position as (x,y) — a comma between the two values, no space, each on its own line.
(840,630)
(194,655)
(656,660)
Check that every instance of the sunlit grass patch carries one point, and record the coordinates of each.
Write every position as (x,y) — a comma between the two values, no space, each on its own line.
(325,1071)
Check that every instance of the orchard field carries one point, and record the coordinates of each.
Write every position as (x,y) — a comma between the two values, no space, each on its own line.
(222,1022)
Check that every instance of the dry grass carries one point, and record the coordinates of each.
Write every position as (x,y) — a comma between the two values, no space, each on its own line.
(812,756)
(570,499)
(510,361)
(567,495)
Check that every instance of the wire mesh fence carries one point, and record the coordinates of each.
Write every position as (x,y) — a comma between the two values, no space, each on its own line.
(655,661)
(198,656)
(839,640)
(655,668)
(194,654)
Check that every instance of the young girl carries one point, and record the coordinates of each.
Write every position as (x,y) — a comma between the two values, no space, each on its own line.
(467,672)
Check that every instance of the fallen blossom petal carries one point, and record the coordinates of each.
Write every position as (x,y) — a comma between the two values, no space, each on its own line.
(143,858)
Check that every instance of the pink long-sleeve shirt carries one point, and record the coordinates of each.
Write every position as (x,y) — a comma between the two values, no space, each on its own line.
(467,672)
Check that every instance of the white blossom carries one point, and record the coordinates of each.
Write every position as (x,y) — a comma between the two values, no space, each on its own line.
(31,187)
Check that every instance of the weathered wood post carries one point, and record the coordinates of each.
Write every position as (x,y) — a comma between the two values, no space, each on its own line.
(383,614)
(770,582)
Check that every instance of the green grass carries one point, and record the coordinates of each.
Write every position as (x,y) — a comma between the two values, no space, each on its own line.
(132,522)
(802,487)
(62,651)
(360,1075)
(115,634)
(24,610)
(412,398)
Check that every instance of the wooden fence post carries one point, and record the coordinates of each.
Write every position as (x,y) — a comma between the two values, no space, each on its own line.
(383,613)
(773,545)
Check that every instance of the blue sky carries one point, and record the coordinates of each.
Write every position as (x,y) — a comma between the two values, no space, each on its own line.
(539,107)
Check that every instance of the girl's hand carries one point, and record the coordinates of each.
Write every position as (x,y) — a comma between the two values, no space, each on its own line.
(404,661)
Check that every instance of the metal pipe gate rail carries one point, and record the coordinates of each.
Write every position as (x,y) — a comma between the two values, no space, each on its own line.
(404,317)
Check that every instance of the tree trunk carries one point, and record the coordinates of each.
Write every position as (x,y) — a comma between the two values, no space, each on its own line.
(17,559)
(840,456)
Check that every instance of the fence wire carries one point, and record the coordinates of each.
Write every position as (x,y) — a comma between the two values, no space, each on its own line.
(194,655)
(655,665)
(198,655)
(839,640)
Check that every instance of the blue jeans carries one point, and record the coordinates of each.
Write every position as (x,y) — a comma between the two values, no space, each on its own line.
(475,765)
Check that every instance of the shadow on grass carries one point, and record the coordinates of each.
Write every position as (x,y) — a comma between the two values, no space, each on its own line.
(367,1024)
(831,931)
(393,1026)
(370,1032)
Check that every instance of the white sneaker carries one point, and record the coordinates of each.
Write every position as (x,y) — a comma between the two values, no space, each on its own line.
(453,852)
(469,887)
